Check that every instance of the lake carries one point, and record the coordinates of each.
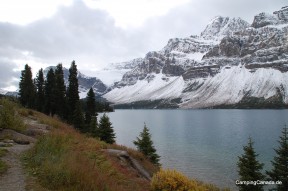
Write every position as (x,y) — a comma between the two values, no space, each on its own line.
(204,144)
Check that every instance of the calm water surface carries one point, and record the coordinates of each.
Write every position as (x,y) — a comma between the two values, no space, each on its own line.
(204,144)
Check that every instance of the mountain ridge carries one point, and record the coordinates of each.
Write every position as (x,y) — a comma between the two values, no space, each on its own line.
(228,48)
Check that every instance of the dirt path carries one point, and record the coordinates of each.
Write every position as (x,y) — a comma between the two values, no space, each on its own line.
(14,178)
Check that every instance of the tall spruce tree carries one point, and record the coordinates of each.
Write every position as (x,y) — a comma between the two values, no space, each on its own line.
(106,132)
(250,169)
(279,171)
(90,106)
(40,95)
(50,102)
(145,145)
(60,93)
(72,91)
(78,117)
(27,90)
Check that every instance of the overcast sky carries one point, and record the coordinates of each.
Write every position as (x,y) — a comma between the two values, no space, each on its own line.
(97,32)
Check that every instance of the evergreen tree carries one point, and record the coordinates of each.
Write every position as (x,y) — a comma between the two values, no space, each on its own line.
(27,90)
(250,169)
(78,118)
(90,106)
(72,91)
(60,92)
(40,95)
(144,144)
(50,102)
(93,128)
(280,162)
(106,132)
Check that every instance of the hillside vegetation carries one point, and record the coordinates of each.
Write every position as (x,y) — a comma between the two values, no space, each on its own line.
(64,159)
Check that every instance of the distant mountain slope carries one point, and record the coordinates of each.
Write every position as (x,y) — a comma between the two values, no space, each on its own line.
(85,82)
(115,71)
(230,60)
(8,93)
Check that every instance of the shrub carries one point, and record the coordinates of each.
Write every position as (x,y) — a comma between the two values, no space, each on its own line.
(171,180)
(9,118)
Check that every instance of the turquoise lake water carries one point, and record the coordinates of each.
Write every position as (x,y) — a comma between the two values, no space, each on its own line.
(204,144)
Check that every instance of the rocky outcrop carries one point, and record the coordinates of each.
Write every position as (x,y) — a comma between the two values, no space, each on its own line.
(172,69)
(264,19)
(254,46)
(223,26)
(282,14)
(201,72)
(124,157)
(86,83)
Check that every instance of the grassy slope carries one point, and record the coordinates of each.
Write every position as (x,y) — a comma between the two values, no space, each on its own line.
(67,160)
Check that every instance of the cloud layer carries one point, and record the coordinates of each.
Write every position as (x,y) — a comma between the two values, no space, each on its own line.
(89,35)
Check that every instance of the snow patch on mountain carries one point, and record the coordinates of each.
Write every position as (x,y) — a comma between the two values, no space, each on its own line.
(197,56)
(115,71)
(110,76)
(161,87)
(231,85)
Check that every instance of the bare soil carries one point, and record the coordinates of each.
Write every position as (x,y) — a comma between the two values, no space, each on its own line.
(14,178)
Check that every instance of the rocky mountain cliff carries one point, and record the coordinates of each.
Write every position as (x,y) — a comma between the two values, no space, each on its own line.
(230,62)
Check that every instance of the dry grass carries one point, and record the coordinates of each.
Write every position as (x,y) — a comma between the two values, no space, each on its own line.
(67,160)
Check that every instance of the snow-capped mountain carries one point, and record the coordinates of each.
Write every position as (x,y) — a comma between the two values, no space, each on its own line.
(227,63)
(8,93)
(85,82)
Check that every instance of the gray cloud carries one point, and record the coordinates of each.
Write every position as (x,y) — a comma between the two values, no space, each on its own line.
(90,37)
(8,75)
(192,18)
